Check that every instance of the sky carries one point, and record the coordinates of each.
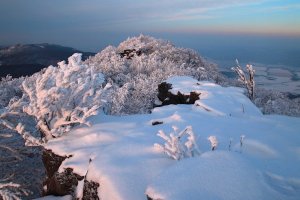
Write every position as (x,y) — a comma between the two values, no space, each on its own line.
(91,25)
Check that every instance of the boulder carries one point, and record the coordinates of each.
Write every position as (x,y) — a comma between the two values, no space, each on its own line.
(166,97)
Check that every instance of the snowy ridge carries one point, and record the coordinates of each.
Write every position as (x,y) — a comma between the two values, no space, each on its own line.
(124,160)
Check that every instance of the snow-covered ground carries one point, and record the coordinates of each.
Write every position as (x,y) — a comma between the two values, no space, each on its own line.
(257,156)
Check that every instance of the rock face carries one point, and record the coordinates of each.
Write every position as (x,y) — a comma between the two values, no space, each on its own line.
(65,183)
(167,97)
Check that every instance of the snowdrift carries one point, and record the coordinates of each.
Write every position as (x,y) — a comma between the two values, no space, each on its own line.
(256,157)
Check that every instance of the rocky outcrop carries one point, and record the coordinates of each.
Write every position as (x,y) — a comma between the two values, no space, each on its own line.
(166,97)
(65,183)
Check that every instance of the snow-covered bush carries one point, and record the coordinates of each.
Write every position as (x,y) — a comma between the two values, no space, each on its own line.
(179,145)
(61,97)
(249,83)
(150,61)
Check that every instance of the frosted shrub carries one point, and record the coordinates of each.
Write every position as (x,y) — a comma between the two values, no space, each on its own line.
(179,145)
(151,61)
(249,82)
(135,96)
(64,96)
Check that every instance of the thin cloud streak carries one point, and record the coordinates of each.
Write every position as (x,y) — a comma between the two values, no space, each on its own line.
(41,20)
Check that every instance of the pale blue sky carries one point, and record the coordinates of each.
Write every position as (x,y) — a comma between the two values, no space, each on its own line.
(87,23)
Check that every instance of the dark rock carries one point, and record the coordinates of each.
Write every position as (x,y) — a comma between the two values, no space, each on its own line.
(149,198)
(51,162)
(167,98)
(157,123)
(90,190)
(65,183)
(163,91)
(61,184)
(130,53)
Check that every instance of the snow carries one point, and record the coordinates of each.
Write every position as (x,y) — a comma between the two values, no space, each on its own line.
(214,97)
(119,152)
(214,175)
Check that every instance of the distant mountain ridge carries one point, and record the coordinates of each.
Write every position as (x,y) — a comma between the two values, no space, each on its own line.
(21,60)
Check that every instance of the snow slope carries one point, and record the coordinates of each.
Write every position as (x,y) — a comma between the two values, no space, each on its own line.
(119,152)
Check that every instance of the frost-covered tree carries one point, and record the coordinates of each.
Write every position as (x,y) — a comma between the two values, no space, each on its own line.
(63,96)
(179,145)
(249,82)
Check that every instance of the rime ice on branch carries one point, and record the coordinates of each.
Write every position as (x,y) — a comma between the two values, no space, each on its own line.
(63,96)
(248,83)
(175,147)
